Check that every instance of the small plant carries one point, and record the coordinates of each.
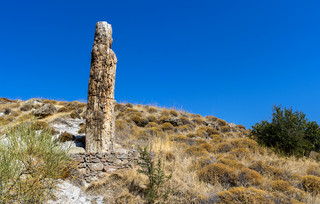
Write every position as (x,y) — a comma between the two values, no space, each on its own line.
(225,128)
(311,184)
(152,110)
(139,121)
(167,126)
(7,111)
(221,173)
(197,121)
(244,195)
(156,176)
(65,136)
(26,107)
(221,122)
(129,105)
(74,115)
(196,151)
(173,113)
(120,107)
(82,129)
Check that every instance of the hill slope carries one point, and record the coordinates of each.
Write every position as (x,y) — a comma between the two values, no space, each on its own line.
(210,160)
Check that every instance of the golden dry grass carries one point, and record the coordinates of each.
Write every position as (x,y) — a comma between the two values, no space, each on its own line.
(207,165)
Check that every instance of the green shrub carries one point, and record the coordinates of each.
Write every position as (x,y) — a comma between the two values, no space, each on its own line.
(156,176)
(31,162)
(289,132)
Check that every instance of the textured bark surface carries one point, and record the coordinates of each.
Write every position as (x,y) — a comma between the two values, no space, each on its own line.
(100,124)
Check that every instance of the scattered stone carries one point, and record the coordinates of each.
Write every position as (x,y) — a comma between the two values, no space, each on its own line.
(74,150)
(173,121)
(117,161)
(314,155)
(101,175)
(213,124)
(121,151)
(109,169)
(96,167)
(82,171)
(123,156)
(95,160)
(46,110)
(124,162)
(79,159)
(135,155)
(82,165)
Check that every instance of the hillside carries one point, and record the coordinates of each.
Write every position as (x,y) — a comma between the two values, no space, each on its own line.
(211,160)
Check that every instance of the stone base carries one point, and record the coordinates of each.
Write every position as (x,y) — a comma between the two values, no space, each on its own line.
(93,166)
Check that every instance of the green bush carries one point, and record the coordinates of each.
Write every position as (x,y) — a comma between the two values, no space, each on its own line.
(156,176)
(289,132)
(31,162)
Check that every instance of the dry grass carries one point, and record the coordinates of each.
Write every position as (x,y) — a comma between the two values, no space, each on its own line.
(210,160)
(240,195)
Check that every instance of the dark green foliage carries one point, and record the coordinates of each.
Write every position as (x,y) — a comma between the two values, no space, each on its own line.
(289,132)
(155,174)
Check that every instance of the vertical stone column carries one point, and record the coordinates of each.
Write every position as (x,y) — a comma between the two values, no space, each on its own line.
(100,125)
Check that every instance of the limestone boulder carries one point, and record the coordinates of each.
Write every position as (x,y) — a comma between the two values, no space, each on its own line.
(45,110)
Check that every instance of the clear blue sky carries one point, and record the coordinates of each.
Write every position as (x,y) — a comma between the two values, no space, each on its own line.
(232,59)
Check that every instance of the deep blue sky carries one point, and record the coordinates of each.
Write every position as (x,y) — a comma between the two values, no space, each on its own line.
(232,59)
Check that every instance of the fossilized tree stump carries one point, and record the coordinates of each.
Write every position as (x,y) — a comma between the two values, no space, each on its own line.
(100,123)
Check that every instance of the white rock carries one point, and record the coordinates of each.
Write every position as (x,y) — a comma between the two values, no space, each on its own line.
(74,150)
(67,193)
(68,125)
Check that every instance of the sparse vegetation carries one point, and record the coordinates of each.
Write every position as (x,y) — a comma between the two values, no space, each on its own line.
(65,136)
(30,164)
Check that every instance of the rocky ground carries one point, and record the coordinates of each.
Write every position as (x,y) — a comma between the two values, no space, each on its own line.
(69,193)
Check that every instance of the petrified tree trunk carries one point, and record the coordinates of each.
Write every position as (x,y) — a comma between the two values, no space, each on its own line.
(100,124)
